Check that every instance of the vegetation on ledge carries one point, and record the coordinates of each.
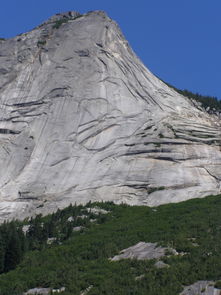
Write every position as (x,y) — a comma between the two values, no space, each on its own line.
(209,103)
(64,20)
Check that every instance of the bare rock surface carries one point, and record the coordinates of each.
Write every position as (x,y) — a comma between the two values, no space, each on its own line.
(86,291)
(51,240)
(201,288)
(161,264)
(41,291)
(142,251)
(35,291)
(81,119)
(97,210)
(78,228)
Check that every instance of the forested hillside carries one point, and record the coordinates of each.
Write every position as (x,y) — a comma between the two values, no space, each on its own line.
(72,247)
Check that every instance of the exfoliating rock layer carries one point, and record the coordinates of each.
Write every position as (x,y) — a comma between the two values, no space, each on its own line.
(82,119)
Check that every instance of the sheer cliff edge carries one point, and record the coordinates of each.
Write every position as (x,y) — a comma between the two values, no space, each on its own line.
(82,119)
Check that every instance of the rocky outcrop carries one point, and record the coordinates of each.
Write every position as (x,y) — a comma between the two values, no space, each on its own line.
(44,291)
(81,119)
(201,287)
(145,251)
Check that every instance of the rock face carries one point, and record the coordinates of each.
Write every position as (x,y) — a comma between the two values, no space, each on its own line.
(143,251)
(81,119)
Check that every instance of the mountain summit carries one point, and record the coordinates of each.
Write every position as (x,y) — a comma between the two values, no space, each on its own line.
(83,119)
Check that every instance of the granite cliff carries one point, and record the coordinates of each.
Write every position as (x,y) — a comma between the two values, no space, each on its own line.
(81,118)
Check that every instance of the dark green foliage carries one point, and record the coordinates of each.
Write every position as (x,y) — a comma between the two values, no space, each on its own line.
(2,255)
(218,284)
(14,243)
(41,43)
(12,246)
(64,20)
(157,144)
(59,22)
(192,227)
(210,102)
(207,101)
(154,189)
(12,252)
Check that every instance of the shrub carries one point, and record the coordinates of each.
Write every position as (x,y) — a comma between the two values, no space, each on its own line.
(59,22)
(41,43)
(64,20)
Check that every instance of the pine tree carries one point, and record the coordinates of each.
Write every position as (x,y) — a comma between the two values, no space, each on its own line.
(2,254)
(13,252)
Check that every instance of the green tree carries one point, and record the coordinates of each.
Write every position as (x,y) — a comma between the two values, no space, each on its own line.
(13,252)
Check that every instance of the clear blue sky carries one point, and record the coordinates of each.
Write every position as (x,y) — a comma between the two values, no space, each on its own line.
(178,40)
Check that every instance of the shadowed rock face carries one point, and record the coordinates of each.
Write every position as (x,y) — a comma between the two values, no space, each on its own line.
(82,119)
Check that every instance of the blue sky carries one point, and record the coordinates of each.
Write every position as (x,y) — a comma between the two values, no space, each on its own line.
(179,41)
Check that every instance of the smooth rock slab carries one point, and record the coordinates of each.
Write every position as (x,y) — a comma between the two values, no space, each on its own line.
(143,251)
(161,264)
(82,119)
